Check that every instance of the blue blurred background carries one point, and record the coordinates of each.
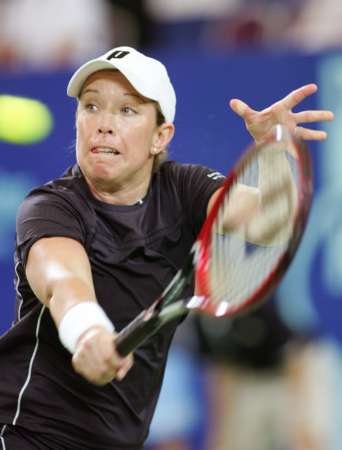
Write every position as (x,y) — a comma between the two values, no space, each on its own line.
(215,50)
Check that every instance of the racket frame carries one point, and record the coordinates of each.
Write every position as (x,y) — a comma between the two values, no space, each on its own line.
(300,220)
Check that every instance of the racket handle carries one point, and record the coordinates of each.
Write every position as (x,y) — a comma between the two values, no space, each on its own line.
(136,332)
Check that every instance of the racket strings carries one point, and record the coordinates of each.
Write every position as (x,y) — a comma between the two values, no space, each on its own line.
(247,241)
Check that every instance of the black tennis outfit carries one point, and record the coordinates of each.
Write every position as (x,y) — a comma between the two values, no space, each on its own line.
(134,252)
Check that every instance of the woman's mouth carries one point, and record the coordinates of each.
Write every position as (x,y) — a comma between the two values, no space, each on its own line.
(105,151)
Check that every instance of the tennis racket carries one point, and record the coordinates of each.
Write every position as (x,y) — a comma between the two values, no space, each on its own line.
(247,242)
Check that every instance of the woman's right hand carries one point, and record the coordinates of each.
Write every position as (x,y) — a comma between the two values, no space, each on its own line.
(96,358)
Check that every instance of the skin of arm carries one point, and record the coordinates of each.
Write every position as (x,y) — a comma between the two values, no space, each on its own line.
(263,214)
(244,203)
(249,216)
(278,199)
(59,273)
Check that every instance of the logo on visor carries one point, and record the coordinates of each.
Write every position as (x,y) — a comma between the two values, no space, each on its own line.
(118,54)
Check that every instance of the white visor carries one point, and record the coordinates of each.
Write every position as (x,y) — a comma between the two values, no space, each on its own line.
(147,75)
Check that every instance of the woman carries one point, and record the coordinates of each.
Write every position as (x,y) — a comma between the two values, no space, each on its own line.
(95,247)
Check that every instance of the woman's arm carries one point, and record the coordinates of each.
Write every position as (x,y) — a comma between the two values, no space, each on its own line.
(247,200)
(59,273)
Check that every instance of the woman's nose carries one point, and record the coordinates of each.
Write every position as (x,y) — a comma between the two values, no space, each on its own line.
(105,124)
(105,129)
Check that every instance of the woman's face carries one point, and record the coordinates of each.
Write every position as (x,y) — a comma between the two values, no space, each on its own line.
(117,132)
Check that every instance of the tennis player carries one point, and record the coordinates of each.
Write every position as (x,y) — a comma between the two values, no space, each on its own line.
(98,245)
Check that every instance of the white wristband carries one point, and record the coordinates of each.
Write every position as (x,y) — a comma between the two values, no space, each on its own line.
(78,319)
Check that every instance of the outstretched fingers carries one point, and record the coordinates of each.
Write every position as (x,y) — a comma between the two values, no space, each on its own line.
(260,123)
(308,134)
(241,108)
(310,117)
(298,95)
(313,116)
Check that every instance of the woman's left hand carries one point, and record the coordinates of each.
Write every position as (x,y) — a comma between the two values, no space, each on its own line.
(260,124)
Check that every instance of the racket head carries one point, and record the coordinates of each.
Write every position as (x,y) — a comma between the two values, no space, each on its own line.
(235,269)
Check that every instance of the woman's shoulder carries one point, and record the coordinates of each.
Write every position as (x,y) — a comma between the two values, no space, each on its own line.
(68,190)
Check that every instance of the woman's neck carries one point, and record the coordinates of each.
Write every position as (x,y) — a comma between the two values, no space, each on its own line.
(120,195)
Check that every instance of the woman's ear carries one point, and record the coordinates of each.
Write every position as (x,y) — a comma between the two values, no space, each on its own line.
(162,137)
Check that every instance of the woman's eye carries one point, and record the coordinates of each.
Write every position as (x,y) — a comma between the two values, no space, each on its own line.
(90,107)
(128,110)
